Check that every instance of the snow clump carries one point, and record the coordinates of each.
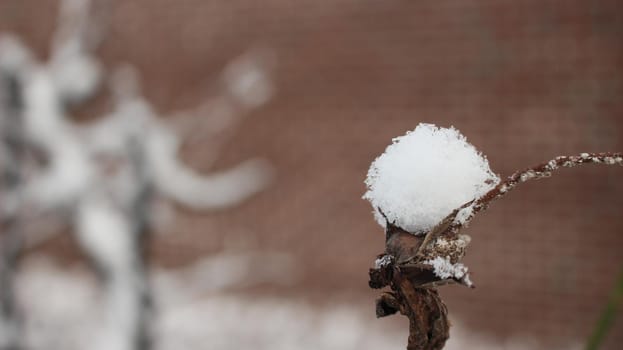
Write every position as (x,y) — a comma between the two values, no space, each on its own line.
(444,269)
(424,175)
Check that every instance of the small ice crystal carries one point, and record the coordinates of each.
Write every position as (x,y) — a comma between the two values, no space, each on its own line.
(527,175)
(464,215)
(503,189)
(551,165)
(383,261)
(424,175)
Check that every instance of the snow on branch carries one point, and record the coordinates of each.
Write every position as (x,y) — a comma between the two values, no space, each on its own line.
(540,171)
(75,71)
(101,178)
(426,187)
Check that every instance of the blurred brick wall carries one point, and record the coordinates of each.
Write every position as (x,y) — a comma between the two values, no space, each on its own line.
(524,81)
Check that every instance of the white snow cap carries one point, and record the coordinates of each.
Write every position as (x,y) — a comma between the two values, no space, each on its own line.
(424,175)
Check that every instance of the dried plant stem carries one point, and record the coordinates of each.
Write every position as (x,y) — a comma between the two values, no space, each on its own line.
(539,171)
(413,281)
(429,327)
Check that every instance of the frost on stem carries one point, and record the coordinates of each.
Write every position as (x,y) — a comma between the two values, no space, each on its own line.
(444,269)
(426,187)
(540,171)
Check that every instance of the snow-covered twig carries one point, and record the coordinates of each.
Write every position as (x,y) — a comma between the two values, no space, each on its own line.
(11,179)
(414,188)
(135,118)
(540,171)
(102,177)
(75,71)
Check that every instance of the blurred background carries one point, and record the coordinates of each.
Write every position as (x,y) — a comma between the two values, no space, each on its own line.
(314,92)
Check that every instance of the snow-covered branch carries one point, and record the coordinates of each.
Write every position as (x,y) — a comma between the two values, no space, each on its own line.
(11,177)
(426,187)
(101,178)
(540,171)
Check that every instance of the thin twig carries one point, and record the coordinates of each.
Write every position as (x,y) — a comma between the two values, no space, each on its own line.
(540,171)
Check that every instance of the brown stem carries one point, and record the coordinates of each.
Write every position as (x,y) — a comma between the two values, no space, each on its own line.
(539,171)
(428,316)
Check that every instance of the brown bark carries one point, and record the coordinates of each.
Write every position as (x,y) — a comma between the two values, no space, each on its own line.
(428,316)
